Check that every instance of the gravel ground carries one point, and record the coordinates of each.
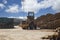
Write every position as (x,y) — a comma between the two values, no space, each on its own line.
(19,34)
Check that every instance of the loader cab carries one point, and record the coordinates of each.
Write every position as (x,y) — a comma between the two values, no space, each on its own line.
(30,16)
(30,20)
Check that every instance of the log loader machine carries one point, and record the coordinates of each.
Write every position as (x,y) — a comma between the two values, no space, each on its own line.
(30,22)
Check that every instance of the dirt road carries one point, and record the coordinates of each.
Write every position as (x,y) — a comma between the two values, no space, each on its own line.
(17,34)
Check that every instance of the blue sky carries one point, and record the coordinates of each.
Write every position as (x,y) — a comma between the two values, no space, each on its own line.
(20,8)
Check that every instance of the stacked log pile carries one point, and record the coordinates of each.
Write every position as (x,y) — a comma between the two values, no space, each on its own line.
(49,21)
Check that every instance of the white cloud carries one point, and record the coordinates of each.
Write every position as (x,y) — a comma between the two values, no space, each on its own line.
(2,5)
(5,1)
(13,9)
(30,5)
(20,17)
(56,5)
(33,5)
